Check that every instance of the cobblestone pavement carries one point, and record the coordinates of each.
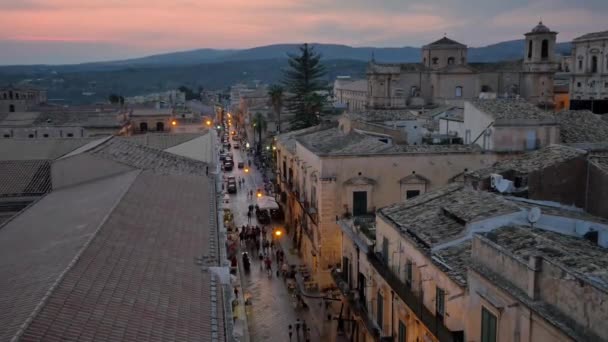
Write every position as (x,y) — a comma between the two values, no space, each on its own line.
(272,308)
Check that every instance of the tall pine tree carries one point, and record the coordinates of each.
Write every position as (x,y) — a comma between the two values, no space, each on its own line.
(302,80)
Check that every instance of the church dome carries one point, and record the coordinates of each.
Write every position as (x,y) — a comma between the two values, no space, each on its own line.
(540,28)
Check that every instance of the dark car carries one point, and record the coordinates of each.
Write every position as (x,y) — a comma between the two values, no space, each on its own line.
(241,165)
(277,214)
(231,187)
(227,146)
(228,165)
(263,217)
(223,156)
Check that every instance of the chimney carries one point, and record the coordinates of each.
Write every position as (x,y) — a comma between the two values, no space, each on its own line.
(534,268)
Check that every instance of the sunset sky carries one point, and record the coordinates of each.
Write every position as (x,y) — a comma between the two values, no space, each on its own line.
(67,31)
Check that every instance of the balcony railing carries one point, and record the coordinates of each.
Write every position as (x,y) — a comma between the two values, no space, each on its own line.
(360,229)
(356,305)
(432,322)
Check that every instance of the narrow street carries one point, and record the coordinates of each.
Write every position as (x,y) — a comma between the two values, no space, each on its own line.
(272,307)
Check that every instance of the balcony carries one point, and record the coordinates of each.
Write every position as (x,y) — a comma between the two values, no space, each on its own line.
(433,323)
(361,229)
(356,305)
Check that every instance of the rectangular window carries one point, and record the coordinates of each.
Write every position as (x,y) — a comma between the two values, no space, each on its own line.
(488,326)
(345,269)
(385,249)
(359,203)
(380,307)
(408,274)
(402,336)
(580,65)
(440,303)
(411,193)
(459,91)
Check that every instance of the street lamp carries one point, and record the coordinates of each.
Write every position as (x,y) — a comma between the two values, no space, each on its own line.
(208,122)
(246,170)
(174,123)
(247,145)
(259,194)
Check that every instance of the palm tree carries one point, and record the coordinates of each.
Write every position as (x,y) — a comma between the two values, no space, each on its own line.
(276,101)
(259,125)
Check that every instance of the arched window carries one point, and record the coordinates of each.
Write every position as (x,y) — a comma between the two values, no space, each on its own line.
(143,127)
(544,51)
(424,61)
(593,63)
(17,96)
(10,95)
(160,126)
(530,50)
(435,60)
(11,108)
(451,60)
(458,91)
(486,89)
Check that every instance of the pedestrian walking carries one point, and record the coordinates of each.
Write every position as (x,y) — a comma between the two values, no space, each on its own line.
(298,328)
(304,329)
(249,217)
(290,331)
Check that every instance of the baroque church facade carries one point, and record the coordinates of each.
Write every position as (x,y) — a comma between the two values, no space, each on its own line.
(444,75)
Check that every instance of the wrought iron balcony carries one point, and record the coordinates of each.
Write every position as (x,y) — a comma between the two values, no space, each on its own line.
(360,229)
(432,322)
(356,305)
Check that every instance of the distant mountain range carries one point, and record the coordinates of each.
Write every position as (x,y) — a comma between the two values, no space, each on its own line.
(217,69)
(509,50)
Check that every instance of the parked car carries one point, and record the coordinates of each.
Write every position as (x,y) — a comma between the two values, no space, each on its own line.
(263,217)
(277,214)
(236,145)
(227,146)
(228,166)
(223,156)
(241,165)
(231,187)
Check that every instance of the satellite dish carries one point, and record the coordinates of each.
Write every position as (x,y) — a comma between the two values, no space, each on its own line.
(534,215)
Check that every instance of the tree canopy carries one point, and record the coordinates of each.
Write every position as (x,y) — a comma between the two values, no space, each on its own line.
(276,93)
(303,79)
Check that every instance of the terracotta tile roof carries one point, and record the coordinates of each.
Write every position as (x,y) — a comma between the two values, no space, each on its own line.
(531,161)
(445,41)
(511,109)
(334,141)
(582,126)
(162,141)
(37,149)
(137,279)
(377,115)
(25,177)
(148,158)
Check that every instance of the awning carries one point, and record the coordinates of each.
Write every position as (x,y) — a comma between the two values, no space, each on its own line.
(267,202)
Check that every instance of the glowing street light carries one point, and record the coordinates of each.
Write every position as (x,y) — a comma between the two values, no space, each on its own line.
(278,233)
(274,148)
(247,145)
(208,122)
(259,194)
(174,123)
(246,170)
(267,148)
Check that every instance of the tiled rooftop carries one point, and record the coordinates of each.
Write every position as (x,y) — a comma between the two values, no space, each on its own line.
(576,254)
(372,115)
(455,260)
(454,148)
(441,215)
(33,149)
(593,35)
(138,278)
(582,126)
(161,141)
(25,177)
(394,68)
(445,41)
(600,161)
(289,139)
(74,118)
(531,161)
(334,141)
(148,158)
(511,109)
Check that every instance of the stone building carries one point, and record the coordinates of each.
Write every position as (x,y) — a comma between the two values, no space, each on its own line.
(332,172)
(508,125)
(20,99)
(444,75)
(350,94)
(457,264)
(589,72)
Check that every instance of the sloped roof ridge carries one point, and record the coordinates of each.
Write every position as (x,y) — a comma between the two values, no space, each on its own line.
(79,253)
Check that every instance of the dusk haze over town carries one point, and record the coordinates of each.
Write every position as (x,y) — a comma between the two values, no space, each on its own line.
(304,170)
